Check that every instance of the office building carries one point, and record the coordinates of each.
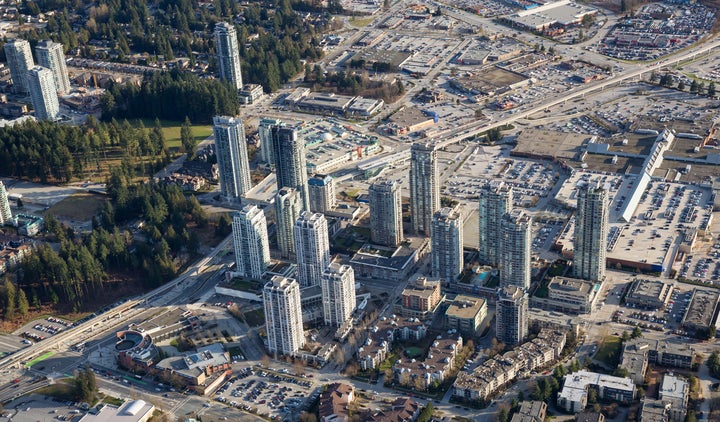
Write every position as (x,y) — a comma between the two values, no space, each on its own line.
(574,395)
(50,55)
(265,133)
(283,316)
(290,161)
(338,293)
(511,315)
(228,54)
(288,206)
(20,61)
(232,157)
(446,253)
(252,251)
(424,186)
(5,213)
(43,93)
(321,188)
(386,213)
(495,200)
(591,232)
(515,253)
(312,247)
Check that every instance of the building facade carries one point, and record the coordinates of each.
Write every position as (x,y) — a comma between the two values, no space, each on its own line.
(424,186)
(283,315)
(20,61)
(312,247)
(338,291)
(232,157)
(515,253)
(265,133)
(228,54)
(43,94)
(591,232)
(250,237)
(5,212)
(290,161)
(511,315)
(495,200)
(50,55)
(420,299)
(288,206)
(321,188)
(446,253)
(386,213)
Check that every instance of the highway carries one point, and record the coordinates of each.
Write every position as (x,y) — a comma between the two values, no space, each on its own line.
(161,296)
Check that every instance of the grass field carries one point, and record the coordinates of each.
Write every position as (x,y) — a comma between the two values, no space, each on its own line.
(79,206)
(361,22)
(609,351)
(171,131)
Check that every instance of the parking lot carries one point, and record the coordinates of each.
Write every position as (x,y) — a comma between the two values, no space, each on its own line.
(41,329)
(266,392)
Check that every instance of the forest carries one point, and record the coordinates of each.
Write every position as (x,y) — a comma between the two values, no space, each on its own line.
(116,29)
(171,95)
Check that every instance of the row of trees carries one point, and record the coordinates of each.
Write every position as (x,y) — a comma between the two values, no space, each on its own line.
(696,87)
(171,95)
(47,152)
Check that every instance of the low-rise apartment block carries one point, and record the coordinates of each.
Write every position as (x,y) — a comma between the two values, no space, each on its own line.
(466,314)
(381,336)
(434,368)
(638,353)
(573,396)
(568,295)
(487,378)
(420,299)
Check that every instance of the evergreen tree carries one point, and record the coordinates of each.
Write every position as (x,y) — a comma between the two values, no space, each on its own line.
(187,139)
(23,306)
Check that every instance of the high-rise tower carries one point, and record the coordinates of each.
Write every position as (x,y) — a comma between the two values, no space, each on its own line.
(228,54)
(20,61)
(424,187)
(321,188)
(50,54)
(232,157)
(265,133)
(386,213)
(515,252)
(446,237)
(250,237)
(283,315)
(338,293)
(591,232)
(511,315)
(495,199)
(43,93)
(5,212)
(312,247)
(288,206)
(290,161)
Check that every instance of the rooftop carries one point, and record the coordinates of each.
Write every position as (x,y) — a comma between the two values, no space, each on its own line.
(465,307)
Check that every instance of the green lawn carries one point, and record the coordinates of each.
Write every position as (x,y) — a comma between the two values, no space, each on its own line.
(171,131)
(609,351)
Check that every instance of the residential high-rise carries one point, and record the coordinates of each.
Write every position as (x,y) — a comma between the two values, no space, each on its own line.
(250,237)
(5,213)
(265,133)
(511,315)
(290,161)
(312,247)
(338,293)
(495,199)
(386,213)
(232,157)
(50,54)
(515,252)
(446,254)
(228,54)
(43,93)
(283,316)
(321,188)
(424,186)
(288,206)
(20,60)
(591,232)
